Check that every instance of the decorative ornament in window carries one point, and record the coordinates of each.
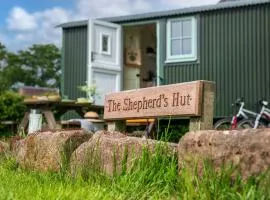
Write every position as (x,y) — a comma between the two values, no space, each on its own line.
(133,51)
(105,44)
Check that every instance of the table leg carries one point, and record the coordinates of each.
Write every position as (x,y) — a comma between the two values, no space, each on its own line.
(24,122)
(50,119)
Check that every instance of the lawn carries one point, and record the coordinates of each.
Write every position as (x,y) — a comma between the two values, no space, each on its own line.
(154,176)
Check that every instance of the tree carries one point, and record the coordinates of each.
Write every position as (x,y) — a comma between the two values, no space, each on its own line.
(3,53)
(3,64)
(39,65)
(42,65)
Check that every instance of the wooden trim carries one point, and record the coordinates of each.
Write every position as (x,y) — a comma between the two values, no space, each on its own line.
(182,58)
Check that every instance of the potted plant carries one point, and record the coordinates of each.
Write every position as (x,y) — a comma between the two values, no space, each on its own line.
(91,92)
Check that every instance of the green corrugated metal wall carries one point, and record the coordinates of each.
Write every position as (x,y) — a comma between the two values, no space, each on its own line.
(74,64)
(234,51)
(75,60)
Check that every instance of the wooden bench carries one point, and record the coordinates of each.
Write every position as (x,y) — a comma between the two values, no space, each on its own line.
(36,95)
(148,123)
(66,124)
(39,93)
(138,122)
(9,125)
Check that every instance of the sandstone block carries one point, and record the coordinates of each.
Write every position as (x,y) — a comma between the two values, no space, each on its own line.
(4,147)
(48,151)
(108,150)
(247,149)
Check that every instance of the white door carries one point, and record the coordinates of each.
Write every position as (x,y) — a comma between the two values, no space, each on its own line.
(104,57)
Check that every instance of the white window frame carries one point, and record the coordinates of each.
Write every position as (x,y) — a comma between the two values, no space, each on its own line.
(182,58)
(101,44)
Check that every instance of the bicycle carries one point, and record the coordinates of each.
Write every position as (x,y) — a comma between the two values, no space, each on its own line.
(262,119)
(232,122)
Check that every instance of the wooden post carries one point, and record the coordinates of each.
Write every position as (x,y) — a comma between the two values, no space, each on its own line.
(205,121)
(24,122)
(119,125)
(50,119)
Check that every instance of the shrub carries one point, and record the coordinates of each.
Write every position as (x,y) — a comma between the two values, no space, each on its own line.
(11,106)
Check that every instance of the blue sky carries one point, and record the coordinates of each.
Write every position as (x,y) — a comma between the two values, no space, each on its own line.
(31,6)
(27,22)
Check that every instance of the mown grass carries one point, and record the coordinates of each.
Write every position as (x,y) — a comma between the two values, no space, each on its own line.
(154,176)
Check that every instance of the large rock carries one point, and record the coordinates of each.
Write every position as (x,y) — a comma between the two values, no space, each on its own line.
(4,147)
(106,151)
(48,151)
(248,149)
(13,142)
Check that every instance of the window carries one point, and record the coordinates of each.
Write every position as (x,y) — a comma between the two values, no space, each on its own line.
(105,44)
(181,39)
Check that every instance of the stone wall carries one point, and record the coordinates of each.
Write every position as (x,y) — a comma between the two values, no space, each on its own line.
(248,150)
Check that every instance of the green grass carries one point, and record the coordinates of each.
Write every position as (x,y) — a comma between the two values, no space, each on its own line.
(154,176)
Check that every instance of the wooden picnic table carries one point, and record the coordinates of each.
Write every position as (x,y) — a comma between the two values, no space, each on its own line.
(51,109)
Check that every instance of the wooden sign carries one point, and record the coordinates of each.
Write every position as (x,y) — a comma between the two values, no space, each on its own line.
(183,99)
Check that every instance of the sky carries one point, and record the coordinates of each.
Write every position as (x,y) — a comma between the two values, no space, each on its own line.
(27,22)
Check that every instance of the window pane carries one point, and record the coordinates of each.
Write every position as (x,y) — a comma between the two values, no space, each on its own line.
(105,41)
(187,46)
(186,28)
(176,29)
(176,47)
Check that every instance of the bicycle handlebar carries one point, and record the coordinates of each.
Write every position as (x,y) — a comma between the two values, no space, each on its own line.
(263,102)
(238,102)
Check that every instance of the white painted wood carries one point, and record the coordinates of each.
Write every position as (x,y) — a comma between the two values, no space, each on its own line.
(104,68)
(158,53)
(182,57)
(107,81)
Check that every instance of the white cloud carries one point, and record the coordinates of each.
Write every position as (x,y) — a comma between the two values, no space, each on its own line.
(20,20)
(39,27)
(187,3)
(23,37)
(53,15)
(104,8)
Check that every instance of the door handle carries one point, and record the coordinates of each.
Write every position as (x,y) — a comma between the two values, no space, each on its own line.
(138,75)
(92,56)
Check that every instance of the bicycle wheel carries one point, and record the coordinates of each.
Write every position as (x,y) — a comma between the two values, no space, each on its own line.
(245,123)
(223,124)
(249,123)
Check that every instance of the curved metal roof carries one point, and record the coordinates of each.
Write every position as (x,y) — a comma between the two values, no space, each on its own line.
(160,14)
